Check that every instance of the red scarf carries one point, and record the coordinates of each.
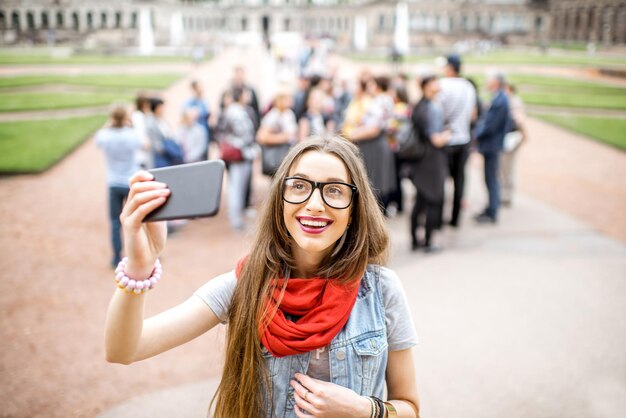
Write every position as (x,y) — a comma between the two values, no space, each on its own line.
(321,307)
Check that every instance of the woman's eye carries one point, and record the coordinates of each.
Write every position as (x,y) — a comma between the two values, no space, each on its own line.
(334,190)
(299,185)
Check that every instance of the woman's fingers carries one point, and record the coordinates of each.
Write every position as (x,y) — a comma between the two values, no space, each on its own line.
(140,176)
(140,204)
(304,397)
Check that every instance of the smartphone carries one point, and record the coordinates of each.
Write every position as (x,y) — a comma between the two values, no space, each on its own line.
(195,190)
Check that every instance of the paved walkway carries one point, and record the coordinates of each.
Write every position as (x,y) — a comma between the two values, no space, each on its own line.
(522,319)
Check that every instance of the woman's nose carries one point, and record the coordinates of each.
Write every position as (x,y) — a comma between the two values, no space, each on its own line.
(315,202)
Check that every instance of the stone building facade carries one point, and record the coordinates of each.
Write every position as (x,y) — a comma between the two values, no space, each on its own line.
(189,22)
(600,21)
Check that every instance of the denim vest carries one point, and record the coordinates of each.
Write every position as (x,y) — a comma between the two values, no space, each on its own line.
(358,354)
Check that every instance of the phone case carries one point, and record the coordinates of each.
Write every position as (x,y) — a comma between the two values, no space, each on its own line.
(195,190)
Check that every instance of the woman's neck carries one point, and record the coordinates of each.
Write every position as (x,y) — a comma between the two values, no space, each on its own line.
(306,264)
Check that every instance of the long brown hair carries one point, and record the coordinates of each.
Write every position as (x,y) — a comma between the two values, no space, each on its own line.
(244,378)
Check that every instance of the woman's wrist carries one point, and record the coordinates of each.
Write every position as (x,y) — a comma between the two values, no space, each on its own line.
(139,270)
(133,284)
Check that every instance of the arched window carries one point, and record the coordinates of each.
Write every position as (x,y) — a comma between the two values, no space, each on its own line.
(3,20)
(30,20)
(89,20)
(44,20)
(103,20)
(15,21)
(118,20)
(133,20)
(60,21)
(75,21)
(591,18)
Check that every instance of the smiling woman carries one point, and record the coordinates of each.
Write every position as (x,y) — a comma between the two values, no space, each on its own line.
(317,326)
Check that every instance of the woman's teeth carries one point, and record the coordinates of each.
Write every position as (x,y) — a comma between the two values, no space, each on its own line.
(315,224)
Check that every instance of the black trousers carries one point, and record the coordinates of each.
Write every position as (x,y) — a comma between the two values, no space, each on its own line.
(457,158)
(425,214)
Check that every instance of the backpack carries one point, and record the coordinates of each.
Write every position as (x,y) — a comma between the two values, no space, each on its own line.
(410,145)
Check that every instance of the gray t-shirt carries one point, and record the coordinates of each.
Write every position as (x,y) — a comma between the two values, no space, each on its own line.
(217,294)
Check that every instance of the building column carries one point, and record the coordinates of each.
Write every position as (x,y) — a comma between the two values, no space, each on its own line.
(621,25)
(605,25)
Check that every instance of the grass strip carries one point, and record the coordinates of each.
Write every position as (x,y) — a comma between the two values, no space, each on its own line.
(577,100)
(8,58)
(156,81)
(611,131)
(510,58)
(33,146)
(28,101)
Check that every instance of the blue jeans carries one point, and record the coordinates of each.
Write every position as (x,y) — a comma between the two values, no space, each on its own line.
(492,167)
(117,196)
(238,176)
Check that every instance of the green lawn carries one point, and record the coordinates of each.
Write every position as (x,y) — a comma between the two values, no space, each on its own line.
(17,102)
(555,83)
(562,92)
(154,81)
(510,57)
(578,100)
(33,146)
(608,130)
(43,57)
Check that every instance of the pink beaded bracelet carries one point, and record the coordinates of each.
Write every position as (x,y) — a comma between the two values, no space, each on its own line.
(136,287)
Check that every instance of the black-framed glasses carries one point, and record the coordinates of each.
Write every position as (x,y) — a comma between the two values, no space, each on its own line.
(336,194)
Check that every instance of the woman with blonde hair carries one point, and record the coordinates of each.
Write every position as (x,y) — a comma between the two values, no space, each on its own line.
(316,325)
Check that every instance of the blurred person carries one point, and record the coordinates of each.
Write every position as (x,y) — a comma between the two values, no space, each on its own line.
(401,115)
(314,121)
(201,106)
(239,81)
(278,127)
(300,97)
(364,125)
(378,87)
(238,131)
(138,120)
(192,137)
(165,150)
(458,101)
(516,136)
(490,137)
(429,173)
(317,326)
(342,96)
(120,143)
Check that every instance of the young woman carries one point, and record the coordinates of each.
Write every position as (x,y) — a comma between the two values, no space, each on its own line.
(316,325)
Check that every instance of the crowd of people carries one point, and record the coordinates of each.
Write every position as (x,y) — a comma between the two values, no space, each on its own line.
(449,121)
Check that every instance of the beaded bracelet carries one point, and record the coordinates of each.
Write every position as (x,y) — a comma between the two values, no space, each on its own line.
(136,287)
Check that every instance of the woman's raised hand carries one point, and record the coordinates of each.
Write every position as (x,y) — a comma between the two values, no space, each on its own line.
(143,241)
(327,400)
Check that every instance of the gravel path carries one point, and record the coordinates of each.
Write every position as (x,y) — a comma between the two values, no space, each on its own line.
(55,281)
